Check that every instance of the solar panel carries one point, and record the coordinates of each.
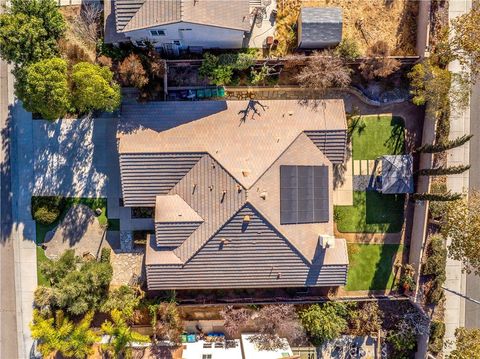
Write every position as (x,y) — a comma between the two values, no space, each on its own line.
(304,194)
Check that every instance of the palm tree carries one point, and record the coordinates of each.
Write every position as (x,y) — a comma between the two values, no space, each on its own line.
(59,334)
(121,336)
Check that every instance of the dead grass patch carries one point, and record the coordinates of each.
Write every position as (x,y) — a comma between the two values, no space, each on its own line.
(72,43)
(366,21)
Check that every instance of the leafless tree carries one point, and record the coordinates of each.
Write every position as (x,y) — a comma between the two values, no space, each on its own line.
(324,70)
(275,322)
(87,25)
(378,64)
(132,72)
(235,319)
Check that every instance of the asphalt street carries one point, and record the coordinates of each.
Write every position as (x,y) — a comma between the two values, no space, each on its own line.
(472,310)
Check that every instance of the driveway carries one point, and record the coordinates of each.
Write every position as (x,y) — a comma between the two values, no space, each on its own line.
(76,158)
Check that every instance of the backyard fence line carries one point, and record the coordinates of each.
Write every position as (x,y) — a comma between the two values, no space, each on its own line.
(302,300)
(405,60)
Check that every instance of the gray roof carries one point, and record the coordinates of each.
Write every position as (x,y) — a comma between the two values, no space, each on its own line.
(397,174)
(214,162)
(141,14)
(320,27)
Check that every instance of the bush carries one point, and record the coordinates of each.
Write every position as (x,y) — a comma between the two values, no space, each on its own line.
(132,73)
(46,210)
(378,64)
(105,255)
(436,256)
(437,332)
(348,49)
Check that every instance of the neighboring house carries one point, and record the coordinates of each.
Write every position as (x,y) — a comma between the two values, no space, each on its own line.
(319,27)
(242,191)
(173,25)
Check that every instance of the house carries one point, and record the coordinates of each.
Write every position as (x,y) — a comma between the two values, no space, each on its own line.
(319,27)
(242,191)
(396,174)
(173,25)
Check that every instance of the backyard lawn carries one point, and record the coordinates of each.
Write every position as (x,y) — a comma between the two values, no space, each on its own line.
(375,136)
(372,212)
(371,266)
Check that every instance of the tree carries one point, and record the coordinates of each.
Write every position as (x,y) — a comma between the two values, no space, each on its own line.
(443,171)
(45,10)
(442,197)
(324,70)
(466,39)
(430,84)
(44,88)
(77,286)
(121,336)
(59,334)
(29,31)
(132,73)
(235,319)
(125,298)
(94,88)
(325,322)
(378,64)
(23,39)
(366,320)
(467,344)
(167,323)
(273,323)
(445,146)
(461,223)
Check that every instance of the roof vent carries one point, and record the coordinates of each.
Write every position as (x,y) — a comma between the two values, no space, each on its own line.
(246,218)
(245,172)
(327,241)
(263,195)
(290,113)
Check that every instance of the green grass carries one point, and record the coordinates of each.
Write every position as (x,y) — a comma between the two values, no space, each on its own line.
(93,203)
(372,212)
(374,136)
(371,266)
(41,258)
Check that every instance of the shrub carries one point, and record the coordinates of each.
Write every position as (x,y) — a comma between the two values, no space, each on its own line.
(436,256)
(437,332)
(132,73)
(324,70)
(73,52)
(378,64)
(366,320)
(125,299)
(43,88)
(237,61)
(105,61)
(105,255)
(348,49)
(46,210)
(325,322)
(93,88)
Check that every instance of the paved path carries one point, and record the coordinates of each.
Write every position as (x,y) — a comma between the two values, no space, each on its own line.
(459,125)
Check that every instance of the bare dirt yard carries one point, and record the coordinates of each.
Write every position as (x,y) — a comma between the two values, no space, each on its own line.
(366,21)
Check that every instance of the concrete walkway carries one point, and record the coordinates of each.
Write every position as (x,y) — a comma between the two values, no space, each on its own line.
(459,125)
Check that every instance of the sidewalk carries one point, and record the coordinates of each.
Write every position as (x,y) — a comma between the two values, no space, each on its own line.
(459,125)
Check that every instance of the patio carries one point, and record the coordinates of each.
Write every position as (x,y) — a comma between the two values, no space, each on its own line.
(263,23)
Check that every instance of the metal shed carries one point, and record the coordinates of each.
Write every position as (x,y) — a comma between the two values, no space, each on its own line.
(396,174)
(319,27)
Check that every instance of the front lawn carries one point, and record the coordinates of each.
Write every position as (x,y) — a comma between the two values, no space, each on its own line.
(41,258)
(92,203)
(372,212)
(374,136)
(371,266)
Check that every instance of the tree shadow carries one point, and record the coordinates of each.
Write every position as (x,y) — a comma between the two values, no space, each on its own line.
(6,179)
(396,140)
(253,109)
(384,268)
